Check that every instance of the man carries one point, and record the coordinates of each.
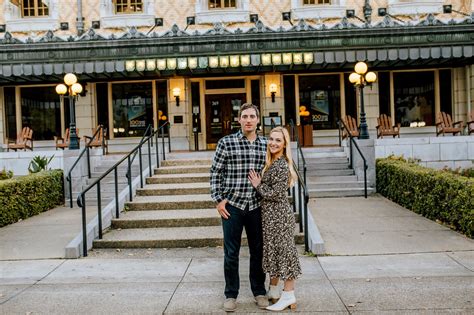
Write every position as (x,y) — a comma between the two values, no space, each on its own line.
(238,204)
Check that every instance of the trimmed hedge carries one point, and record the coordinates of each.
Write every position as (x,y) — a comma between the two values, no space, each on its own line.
(437,195)
(27,196)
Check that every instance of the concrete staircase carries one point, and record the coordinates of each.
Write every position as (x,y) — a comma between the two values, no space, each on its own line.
(329,175)
(108,183)
(174,209)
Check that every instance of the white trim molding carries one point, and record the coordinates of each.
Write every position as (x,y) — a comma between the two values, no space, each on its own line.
(16,23)
(108,18)
(204,15)
(404,7)
(337,9)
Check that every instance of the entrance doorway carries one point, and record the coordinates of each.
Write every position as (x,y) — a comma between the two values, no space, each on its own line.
(222,115)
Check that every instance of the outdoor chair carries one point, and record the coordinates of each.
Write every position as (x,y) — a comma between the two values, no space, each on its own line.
(446,125)
(385,127)
(351,124)
(62,143)
(470,123)
(100,140)
(24,140)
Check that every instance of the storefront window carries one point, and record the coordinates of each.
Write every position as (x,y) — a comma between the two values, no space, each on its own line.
(321,96)
(132,107)
(40,111)
(10,113)
(414,97)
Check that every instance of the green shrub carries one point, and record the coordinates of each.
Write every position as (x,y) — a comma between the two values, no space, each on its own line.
(27,196)
(435,194)
(4,174)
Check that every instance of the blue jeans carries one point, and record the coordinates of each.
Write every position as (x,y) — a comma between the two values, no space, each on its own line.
(233,227)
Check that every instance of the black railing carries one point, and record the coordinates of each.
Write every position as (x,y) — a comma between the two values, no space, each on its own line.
(81,199)
(85,150)
(302,207)
(342,125)
(128,174)
(299,150)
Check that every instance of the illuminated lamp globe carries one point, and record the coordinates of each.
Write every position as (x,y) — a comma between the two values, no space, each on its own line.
(163,117)
(361,67)
(306,113)
(302,108)
(371,77)
(61,89)
(70,79)
(273,88)
(354,78)
(76,88)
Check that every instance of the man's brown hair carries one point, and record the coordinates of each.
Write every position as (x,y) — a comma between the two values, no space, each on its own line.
(247,106)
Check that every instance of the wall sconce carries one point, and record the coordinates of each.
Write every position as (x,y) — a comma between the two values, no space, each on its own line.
(273,89)
(176,92)
(449,9)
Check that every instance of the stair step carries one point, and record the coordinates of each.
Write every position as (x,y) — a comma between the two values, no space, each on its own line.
(327,166)
(185,162)
(179,178)
(335,185)
(171,202)
(175,189)
(172,237)
(310,155)
(324,172)
(331,179)
(167,218)
(183,169)
(322,149)
(339,192)
(336,160)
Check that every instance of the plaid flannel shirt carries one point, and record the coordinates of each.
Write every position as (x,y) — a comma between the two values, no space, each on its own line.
(235,156)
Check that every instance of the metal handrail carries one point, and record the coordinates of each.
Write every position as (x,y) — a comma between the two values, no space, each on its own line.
(302,206)
(128,174)
(86,149)
(352,141)
(299,150)
(81,202)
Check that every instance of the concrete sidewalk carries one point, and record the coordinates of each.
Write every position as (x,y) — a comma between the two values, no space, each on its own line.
(383,259)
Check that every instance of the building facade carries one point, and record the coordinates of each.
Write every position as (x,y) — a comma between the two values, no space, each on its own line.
(194,62)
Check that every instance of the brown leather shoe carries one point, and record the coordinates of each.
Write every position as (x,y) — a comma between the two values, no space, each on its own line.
(230,305)
(262,301)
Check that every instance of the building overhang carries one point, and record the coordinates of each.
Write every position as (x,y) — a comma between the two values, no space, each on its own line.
(136,55)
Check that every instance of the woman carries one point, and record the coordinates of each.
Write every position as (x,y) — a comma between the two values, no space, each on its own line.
(280,257)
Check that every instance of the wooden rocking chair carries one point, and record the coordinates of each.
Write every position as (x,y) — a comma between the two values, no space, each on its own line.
(24,140)
(470,123)
(351,124)
(100,140)
(62,143)
(446,125)
(385,127)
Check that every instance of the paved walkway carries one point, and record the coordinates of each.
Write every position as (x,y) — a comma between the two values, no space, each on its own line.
(383,259)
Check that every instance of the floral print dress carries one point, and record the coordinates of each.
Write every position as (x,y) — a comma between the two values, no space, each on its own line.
(280,256)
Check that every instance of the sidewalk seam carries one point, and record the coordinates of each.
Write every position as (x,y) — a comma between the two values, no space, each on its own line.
(459,262)
(179,283)
(35,283)
(332,285)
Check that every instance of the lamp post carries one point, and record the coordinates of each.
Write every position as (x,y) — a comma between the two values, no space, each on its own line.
(360,78)
(71,89)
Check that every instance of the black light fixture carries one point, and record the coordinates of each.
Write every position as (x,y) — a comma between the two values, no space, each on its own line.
(254,18)
(361,78)
(384,12)
(273,89)
(448,8)
(190,20)
(71,89)
(64,26)
(158,21)
(176,92)
(2,28)
(286,16)
(350,14)
(95,24)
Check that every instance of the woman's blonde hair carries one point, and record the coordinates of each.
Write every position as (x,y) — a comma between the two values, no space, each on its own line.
(286,153)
